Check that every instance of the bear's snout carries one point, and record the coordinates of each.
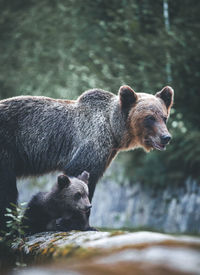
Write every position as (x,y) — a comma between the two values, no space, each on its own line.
(88,207)
(165,139)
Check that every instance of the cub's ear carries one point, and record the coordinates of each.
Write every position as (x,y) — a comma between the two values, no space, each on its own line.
(127,97)
(63,181)
(167,95)
(84,177)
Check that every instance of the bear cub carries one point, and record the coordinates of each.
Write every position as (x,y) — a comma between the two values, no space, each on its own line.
(64,208)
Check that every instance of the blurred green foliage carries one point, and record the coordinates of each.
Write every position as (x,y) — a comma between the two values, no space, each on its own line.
(62,48)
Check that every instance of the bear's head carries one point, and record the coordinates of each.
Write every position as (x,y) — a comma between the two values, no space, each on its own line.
(147,116)
(72,193)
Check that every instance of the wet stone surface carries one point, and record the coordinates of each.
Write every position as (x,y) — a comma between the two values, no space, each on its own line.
(117,252)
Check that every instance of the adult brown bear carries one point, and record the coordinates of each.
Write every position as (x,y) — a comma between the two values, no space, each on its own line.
(41,134)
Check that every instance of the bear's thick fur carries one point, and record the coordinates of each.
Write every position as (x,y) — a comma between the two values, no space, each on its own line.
(39,134)
(64,208)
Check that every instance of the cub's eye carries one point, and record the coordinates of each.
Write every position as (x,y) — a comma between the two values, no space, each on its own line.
(77,196)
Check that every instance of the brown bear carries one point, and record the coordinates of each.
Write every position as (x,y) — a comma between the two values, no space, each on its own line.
(40,134)
(63,208)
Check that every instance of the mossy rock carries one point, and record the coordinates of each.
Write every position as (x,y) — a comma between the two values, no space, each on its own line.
(111,252)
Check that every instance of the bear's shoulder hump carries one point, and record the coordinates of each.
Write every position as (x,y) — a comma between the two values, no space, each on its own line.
(95,95)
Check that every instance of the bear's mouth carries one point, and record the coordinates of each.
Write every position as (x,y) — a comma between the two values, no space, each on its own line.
(158,146)
(155,145)
(84,210)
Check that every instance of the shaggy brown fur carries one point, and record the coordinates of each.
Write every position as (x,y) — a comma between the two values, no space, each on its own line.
(64,208)
(40,134)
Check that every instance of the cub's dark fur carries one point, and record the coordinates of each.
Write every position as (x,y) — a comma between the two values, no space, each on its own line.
(64,208)
(40,134)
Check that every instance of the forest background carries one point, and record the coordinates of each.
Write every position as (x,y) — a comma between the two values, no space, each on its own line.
(62,48)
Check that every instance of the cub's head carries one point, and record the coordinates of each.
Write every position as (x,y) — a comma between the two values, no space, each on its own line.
(147,117)
(73,192)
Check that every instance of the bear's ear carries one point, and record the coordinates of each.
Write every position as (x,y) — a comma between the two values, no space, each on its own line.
(127,97)
(167,95)
(84,177)
(63,181)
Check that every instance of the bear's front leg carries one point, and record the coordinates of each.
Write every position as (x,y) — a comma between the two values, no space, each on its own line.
(8,192)
(60,224)
(51,226)
(88,158)
(78,221)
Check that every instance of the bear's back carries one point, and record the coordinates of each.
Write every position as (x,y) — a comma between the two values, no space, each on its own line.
(35,216)
(96,97)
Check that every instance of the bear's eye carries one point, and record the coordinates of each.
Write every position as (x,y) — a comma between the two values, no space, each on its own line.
(165,120)
(149,120)
(77,196)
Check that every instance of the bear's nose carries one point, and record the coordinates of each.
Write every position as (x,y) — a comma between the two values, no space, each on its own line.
(165,139)
(88,207)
